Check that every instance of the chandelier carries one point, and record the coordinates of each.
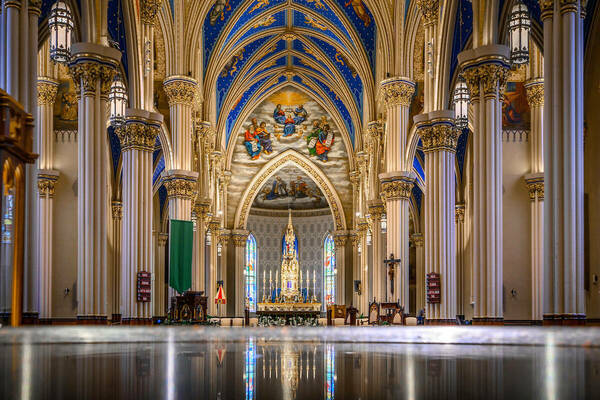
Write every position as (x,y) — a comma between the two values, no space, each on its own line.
(518,31)
(460,99)
(60,24)
(118,101)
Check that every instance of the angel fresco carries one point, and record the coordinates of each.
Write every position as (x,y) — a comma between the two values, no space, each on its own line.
(360,10)
(320,140)
(289,119)
(218,11)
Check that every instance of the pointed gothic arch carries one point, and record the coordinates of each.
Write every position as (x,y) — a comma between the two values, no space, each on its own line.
(313,171)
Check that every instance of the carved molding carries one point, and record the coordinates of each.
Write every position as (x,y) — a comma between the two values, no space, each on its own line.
(162,239)
(535,92)
(439,137)
(490,77)
(239,237)
(46,185)
(117,210)
(47,90)
(180,90)
(180,187)
(397,92)
(535,187)
(396,189)
(416,239)
(148,10)
(459,213)
(137,135)
(429,9)
(87,74)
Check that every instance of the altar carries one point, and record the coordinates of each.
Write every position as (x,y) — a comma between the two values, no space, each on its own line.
(289,299)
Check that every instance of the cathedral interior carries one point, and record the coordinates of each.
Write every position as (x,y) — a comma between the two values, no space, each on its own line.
(358,184)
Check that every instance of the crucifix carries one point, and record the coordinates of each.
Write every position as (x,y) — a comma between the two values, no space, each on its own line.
(391,263)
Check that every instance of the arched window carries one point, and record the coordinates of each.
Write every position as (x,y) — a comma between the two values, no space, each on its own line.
(250,272)
(329,269)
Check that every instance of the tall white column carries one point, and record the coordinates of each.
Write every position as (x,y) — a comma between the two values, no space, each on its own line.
(117,227)
(180,182)
(239,238)
(148,11)
(159,291)
(460,258)
(201,211)
(137,137)
(397,182)
(214,224)
(417,241)
(362,267)
(340,238)
(46,180)
(486,70)
(535,184)
(439,136)
(376,210)
(564,301)
(92,68)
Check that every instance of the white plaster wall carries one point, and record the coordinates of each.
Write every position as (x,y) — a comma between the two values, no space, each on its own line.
(65,230)
(310,232)
(516,217)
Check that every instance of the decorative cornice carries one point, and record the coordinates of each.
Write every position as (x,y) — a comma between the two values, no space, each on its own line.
(397,92)
(535,186)
(375,129)
(47,89)
(547,7)
(201,208)
(376,210)
(535,92)
(459,213)
(239,237)
(429,9)
(490,76)
(439,137)
(180,90)
(396,188)
(354,238)
(46,184)
(214,223)
(148,10)
(567,6)
(340,238)
(117,210)
(137,135)
(87,73)
(416,239)
(180,186)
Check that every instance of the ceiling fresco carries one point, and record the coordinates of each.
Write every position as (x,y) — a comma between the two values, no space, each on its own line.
(289,119)
(290,187)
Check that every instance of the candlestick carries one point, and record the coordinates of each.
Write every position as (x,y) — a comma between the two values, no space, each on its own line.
(270,287)
(314,285)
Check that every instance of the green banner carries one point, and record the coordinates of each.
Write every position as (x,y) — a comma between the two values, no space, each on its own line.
(181,241)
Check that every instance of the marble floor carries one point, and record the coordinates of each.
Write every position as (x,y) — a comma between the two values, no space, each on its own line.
(300,363)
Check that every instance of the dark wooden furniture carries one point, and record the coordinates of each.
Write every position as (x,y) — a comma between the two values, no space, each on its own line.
(16,144)
(335,311)
(189,307)
(389,311)
(351,316)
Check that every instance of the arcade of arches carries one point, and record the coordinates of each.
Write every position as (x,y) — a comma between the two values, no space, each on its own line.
(238,115)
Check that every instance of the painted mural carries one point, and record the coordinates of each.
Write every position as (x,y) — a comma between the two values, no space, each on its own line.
(65,106)
(516,114)
(290,188)
(289,122)
(289,119)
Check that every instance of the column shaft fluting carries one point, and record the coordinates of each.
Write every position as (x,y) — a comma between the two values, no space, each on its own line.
(563,292)
(397,183)
(117,230)
(92,68)
(137,137)
(340,238)
(486,70)
(239,238)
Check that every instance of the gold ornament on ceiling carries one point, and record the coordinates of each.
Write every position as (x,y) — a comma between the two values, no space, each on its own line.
(266,21)
(315,23)
(288,98)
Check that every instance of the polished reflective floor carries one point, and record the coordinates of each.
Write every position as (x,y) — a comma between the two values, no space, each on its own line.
(340,363)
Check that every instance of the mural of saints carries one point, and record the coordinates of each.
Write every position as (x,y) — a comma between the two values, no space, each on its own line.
(320,140)
(360,10)
(289,119)
(256,139)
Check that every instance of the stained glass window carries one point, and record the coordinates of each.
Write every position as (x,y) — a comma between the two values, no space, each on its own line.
(249,369)
(329,373)
(251,264)
(329,269)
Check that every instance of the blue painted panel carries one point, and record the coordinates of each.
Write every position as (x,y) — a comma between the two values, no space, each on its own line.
(241,103)
(350,76)
(280,62)
(215,22)
(302,20)
(300,64)
(232,70)
(339,104)
(160,167)
(279,47)
(417,166)
(462,31)
(418,197)
(116,30)
(300,47)
(364,24)
(162,198)
(115,149)
(279,82)
(322,9)
(298,80)
(265,22)
(461,150)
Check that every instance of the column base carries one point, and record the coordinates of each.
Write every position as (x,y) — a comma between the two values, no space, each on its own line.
(115,318)
(136,321)
(564,320)
(445,322)
(92,319)
(488,321)
(30,318)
